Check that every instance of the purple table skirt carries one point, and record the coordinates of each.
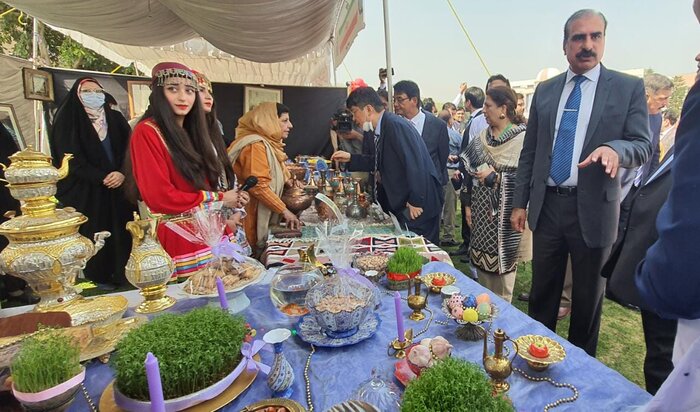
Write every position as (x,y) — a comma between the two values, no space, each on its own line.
(336,373)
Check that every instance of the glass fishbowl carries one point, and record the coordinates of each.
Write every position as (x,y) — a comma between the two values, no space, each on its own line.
(290,285)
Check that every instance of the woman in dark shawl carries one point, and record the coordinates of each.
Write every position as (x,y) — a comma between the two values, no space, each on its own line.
(98,138)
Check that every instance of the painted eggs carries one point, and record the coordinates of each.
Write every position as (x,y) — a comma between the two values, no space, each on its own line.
(483,298)
(484,310)
(455,301)
(470,301)
(457,312)
(470,315)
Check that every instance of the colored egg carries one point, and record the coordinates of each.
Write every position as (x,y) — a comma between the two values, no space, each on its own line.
(483,298)
(455,301)
(484,310)
(470,315)
(457,312)
(470,302)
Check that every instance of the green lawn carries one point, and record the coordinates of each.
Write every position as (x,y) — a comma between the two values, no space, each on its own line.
(621,341)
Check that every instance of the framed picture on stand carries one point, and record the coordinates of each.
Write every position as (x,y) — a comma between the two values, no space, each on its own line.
(139,92)
(8,118)
(38,84)
(253,96)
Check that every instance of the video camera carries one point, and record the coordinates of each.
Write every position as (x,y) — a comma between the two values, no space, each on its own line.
(343,119)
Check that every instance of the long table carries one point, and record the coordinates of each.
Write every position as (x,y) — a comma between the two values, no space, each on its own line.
(336,373)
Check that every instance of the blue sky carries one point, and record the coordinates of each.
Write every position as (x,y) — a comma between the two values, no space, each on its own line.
(516,38)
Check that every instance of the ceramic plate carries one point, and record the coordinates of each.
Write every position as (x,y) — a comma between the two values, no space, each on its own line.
(310,332)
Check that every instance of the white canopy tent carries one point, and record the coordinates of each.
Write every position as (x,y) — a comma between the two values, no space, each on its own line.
(247,41)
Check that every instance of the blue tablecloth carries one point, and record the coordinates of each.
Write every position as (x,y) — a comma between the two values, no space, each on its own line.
(336,373)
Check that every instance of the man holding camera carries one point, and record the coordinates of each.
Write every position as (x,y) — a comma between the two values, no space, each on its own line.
(348,139)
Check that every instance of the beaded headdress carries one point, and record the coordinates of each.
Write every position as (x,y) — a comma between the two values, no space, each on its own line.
(167,70)
(202,80)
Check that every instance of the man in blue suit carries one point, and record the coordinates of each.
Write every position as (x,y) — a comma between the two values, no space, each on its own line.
(407,182)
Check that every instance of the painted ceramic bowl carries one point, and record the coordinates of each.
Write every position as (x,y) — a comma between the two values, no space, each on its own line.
(340,305)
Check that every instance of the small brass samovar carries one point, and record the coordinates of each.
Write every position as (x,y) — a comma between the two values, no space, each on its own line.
(45,248)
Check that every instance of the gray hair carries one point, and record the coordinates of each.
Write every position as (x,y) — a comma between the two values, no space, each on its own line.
(580,14)
(655,82)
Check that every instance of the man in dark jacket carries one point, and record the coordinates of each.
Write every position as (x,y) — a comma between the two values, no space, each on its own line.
(407,183)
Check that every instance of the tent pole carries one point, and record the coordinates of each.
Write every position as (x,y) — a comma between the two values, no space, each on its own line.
(387,43)
(332,61)
(37,104)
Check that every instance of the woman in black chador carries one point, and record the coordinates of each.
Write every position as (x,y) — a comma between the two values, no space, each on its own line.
(98,138)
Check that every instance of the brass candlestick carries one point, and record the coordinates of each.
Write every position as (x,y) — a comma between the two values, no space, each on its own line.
(400,347)
(417,302)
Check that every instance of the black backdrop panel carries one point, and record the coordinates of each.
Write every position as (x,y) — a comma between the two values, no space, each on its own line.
(310,107)
(310,111)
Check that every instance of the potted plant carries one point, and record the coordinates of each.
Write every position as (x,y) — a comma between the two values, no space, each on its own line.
(197,354)
(46,373)
(452,384)
(403,265)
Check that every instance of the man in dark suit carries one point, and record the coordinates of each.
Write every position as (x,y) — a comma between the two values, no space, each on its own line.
(636,234)
(407,103)
(584,124)
(668,279)
(407,183)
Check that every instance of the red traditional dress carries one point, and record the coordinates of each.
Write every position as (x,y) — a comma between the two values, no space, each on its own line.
(166,192)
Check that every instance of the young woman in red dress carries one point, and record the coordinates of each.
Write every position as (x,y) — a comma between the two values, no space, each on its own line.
(176,165)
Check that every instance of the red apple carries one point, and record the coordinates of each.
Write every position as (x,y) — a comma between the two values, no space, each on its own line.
(439,281)
(538,350)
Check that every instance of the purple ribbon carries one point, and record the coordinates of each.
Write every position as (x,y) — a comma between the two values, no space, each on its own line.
(248,351)
(227,249)
(355,275)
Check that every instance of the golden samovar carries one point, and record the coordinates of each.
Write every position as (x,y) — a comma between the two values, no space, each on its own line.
(45,248)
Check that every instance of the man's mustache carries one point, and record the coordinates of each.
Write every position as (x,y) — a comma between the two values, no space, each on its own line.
(586,54)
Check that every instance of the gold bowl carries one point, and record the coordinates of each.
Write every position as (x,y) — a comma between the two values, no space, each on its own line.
(556,351)
(262,406)
(430,277)
(98,311)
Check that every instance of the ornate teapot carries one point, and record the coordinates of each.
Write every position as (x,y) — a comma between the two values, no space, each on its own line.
(295,197)
(45,248)
(498,367)
(355,209)
(32,178)
(149,267)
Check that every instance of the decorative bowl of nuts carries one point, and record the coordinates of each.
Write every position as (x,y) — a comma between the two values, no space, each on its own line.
(339,305)
(371,261)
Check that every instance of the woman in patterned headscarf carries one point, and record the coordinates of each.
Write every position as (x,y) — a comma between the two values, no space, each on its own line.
(98,137)
(492,160)
(259,151)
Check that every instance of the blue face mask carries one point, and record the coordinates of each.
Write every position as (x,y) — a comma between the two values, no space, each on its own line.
(93,100)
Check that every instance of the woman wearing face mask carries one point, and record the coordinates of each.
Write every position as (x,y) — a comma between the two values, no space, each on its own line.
(175,163)
(98,137)
(259,151)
